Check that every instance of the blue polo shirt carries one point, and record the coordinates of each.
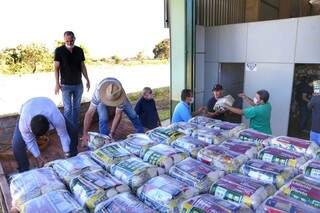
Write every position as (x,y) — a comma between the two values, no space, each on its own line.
(182,112)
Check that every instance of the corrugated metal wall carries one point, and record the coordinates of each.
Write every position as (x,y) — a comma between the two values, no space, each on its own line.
(220,12)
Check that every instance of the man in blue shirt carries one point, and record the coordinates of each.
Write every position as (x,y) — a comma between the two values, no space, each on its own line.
(182,112)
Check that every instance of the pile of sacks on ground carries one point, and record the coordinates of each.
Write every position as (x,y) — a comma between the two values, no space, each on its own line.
(204,165)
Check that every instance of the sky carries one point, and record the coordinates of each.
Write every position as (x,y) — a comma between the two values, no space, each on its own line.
(105,27)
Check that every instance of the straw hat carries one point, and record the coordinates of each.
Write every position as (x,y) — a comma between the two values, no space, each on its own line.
(111,93)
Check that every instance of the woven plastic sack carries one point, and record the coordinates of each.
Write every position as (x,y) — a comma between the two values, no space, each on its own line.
(91,188)
(211,136)
(110,154)
(137,143)
(303,189)
(202,121)
(281,203)
(282,157)
(184,127)
(222,158)
(195,173)
(252,135)
(53,202)
(97,140)
(165,194)
(229,129)
(135,172)
(164,156)
(222,102)
(242,189)
(123,203)
(267,172)
(74,166)
(189,144)
(236,145)
(34,183)
(312,169)
(305,147)
(207,203)
(164,135)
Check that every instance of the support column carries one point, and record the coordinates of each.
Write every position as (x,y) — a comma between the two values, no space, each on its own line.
(252,10)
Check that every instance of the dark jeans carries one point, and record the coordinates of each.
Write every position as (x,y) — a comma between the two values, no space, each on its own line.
(20,149)
(71,98)
(304,116)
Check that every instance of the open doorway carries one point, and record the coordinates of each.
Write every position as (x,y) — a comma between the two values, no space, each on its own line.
(300,115)
(231,76)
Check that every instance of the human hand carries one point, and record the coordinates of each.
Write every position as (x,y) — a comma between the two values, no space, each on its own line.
(241,95)
(111,134)
(57,89)
(84,140)
(40,161)
(88,85)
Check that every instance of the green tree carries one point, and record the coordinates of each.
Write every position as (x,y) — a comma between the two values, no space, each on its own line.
(162,49)
(116,59)
(140,56)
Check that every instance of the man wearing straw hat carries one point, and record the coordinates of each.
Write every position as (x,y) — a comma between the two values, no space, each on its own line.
(314,105)
(110,92)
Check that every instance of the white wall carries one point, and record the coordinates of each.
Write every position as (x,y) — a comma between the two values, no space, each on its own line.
(275,46)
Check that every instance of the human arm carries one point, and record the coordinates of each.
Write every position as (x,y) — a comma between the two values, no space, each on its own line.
(59,123)
(115,122)
(305,97)
(138,107)
(246,99)
(85,74)
(87,123)
(57,77)
(234,110)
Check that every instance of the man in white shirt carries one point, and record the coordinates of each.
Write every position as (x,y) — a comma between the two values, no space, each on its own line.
(37,117)
(109,92)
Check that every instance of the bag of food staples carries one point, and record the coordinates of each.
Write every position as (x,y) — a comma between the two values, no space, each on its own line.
(165,194)
(123,203)
(202,121)
(222,158)
(34,183)
(223,102)
(97,140)
(164,156)
(164,135)
(208,203)
(248,149)
(312,169)
(135,172)
(267,172)
(196,174)
(59,201)
(184,127)
(282,157)
(110,154)
(189,144)
(242,189)
(211,136)
(91,188)
(137,143)
(251,135)
(229,129)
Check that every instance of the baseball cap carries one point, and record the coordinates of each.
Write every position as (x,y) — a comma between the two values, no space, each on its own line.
(217,87)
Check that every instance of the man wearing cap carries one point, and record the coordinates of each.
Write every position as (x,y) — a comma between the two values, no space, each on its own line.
(109,92)
(37,117)
(217,92)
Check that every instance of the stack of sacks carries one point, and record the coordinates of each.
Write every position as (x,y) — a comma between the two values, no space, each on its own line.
(222,158)
(281,203)
(97,140)
(31,184)
(202,121)
(251,135)
(184,127)
(207,203)
(72,167)
(91,188)
(59,201)
(189,144)
(110,154)
(165,194)
(267,172)
(222,102)
(137,144)
(304,189)
(164,135)
(229,129)
(195,173)
(236,145)
(312,169)
(282,157)
(211,136)
(164,156)
(242,189)
(123,203)
(135,172)
(308,148)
